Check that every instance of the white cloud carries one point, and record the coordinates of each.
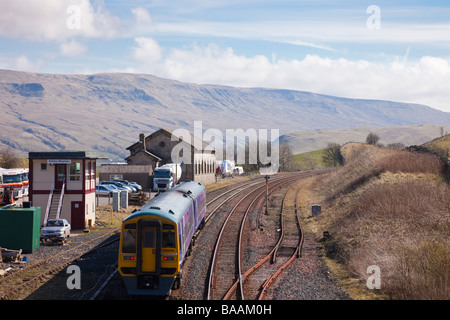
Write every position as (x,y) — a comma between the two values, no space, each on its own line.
(147,51)
(58,20)
(72,48)
(23,63)
(141,15)
(426,81)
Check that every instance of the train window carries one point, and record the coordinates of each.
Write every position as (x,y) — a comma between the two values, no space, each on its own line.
(168,239)
(168,227)
(129,241)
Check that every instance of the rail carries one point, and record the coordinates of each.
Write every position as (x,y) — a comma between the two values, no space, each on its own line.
(296,254)
(257,194)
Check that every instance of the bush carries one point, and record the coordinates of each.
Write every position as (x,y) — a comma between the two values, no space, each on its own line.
(390,208)
(409,162)
(402,228)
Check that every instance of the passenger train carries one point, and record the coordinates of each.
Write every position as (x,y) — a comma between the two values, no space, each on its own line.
(156,239)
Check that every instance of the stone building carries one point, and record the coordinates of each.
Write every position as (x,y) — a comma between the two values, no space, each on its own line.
(156,150)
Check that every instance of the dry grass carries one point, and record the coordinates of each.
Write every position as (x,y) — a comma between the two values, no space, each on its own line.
(404,161)
(391,209)
(222,183)
(107,218)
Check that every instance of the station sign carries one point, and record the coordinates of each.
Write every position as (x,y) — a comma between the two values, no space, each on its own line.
(59,161)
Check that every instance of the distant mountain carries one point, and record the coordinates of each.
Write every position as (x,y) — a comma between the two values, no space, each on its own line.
(305,141)
(105,113)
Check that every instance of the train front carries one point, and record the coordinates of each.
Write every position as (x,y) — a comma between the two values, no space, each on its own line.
(148,253)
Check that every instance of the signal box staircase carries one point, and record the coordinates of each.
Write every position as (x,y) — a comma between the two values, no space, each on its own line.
(54,203)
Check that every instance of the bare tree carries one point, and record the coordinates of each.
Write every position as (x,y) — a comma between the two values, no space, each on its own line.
(372,138)
(332,155)
(310,161)
(9,159)
(286,158)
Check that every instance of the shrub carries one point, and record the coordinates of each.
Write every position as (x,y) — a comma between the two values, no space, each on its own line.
(403,228)
(409,162)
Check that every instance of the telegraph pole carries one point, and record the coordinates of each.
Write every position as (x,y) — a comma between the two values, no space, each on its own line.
(267,194)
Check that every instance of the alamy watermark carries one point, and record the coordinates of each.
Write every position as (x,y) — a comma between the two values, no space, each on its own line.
(374,280)
(73,22)
(246,147)
(374,20)
(74,280)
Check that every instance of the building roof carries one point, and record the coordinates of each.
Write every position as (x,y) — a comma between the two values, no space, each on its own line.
(146,152)
(194,142)
(59,155)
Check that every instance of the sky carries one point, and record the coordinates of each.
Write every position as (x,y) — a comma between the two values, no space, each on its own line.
(374,49)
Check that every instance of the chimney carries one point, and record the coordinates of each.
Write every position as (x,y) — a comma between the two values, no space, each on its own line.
(142,140)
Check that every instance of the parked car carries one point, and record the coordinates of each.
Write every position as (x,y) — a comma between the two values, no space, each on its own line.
(119,185)
(127,183)
(56,229)
(106,190)
(137,185)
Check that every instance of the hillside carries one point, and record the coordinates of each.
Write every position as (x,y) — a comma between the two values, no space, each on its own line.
(305,141)
(105,113)
(384,208)
(440,145)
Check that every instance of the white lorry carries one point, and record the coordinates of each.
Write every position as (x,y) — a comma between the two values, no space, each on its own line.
(166,176)
(16,179)
(226,167)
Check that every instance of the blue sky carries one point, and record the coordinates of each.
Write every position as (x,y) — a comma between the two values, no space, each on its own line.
(361,49)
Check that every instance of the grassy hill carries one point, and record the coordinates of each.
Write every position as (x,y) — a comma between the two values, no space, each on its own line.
(310,160)
(306,141)
(440,145)
(387,208)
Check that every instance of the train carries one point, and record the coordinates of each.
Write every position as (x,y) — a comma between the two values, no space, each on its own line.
(156,239)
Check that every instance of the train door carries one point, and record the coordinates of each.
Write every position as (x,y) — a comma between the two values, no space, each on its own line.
(149,258)
(149,249)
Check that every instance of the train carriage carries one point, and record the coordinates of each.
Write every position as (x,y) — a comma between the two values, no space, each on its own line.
(156,239)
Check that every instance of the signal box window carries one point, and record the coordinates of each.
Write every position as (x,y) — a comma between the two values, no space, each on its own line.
(75,171)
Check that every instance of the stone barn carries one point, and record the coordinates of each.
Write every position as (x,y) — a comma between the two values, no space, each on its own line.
(156,150)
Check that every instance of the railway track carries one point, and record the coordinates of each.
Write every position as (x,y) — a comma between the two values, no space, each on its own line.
(296,254)
(244,286)
(226,258)
(16,284)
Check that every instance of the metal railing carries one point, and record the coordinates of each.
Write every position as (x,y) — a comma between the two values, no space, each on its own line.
(49,202)
(58,213)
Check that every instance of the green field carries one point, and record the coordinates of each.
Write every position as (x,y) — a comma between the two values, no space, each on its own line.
(310,160)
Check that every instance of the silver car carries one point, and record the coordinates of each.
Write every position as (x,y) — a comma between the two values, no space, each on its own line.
(106,190)
(56,229)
